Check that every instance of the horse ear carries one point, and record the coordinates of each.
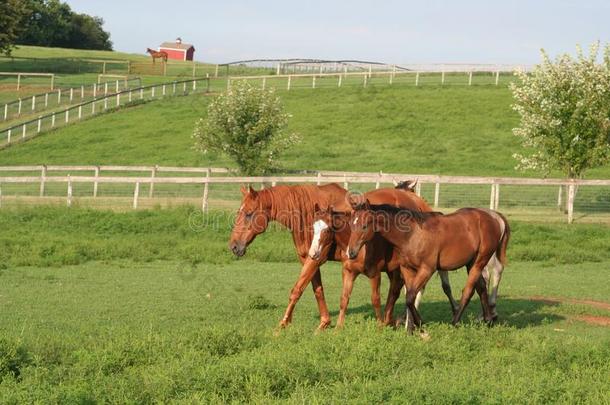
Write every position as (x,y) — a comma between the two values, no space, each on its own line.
(251,190)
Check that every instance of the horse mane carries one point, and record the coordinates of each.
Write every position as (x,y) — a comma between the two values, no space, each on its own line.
(417,215)
(406,185)
(294,207)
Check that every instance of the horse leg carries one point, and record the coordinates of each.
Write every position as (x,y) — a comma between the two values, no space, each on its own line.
(375,296)
(498,268)
(396,284)
(421,278)
(318,290)
(310,268)
(474,273)
(444,275)
(348,285)
(408,275)
(481,288)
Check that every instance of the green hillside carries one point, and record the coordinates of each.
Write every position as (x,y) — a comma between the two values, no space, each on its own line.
(450,130)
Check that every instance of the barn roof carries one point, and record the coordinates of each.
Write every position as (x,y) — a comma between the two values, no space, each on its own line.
(176,45)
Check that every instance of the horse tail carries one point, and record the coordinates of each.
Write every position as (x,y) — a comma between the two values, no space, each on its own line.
(501,252)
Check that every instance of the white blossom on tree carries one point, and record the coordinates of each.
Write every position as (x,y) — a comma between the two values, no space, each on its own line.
(248,124)
(565,113)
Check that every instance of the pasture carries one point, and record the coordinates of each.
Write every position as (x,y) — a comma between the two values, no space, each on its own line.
(150,307)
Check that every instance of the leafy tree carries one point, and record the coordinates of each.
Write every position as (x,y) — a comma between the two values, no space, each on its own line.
(12,15)
(565,113)
(53,23)
(247,124)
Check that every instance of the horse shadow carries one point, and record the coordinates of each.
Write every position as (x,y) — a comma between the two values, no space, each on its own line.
(516,312)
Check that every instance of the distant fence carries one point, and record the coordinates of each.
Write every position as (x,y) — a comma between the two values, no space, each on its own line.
(338,79)
(100,103)
(145,186)
(61,96)
(19,75)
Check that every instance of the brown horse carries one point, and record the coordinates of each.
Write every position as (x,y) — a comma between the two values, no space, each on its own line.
(157,54)
(377,257)
(293,207)
(428,241)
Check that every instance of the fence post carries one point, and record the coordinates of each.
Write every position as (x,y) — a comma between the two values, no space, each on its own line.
(39,125)
(319,179)
(437,192)
(18,81)
(174,91)
(53,120)
(443,78)
(97,174)
(82,92)
(206,190)
(365,80)
(34,103)
(71,94)
(52,82)
(163,90)
(43,179)
(313,82)
(184,87)
(106,88)
(69,197)
(340,80)
(418,189)
(492,196)
(58,96)
(559,197)
(470,78)
(497,197)
(67,116)
(194,85)
(80,112)
(19,108)
(378,180)
(571,195)
(94,90)
(136,194)
(288,85)
(153,174)
(116,86)
(5,111)
(24,130)
(118,99)
(417,78)
(345,185)
(46,99)
(93,107)
(497,77)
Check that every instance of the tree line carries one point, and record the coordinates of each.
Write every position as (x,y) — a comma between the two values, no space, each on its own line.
(49,23)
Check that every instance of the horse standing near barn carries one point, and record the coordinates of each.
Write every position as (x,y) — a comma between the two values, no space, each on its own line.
(157,55)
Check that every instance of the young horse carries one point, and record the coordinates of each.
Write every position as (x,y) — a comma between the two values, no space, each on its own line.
(157,54)
(332,231)
(429,241)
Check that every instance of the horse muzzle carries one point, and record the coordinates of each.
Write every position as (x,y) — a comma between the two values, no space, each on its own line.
(238,249)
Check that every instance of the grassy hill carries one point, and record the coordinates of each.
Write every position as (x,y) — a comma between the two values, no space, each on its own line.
(450,130)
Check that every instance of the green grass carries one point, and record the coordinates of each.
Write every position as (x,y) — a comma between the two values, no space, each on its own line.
(154,311)
(429,130)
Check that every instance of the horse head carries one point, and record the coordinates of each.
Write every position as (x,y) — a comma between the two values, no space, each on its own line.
(252,219)
(362,226)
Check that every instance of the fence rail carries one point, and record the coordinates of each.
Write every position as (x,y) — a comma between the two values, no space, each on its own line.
(533,198)
(77,112)
(26,74)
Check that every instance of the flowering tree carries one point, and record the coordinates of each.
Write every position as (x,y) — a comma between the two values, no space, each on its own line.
(565,113)
(247,124)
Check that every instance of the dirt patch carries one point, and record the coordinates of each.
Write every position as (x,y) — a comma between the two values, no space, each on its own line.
(594,320)
(555,300)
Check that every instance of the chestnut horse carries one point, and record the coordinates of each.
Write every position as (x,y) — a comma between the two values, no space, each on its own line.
(157,54)
(429,241)
(294,207)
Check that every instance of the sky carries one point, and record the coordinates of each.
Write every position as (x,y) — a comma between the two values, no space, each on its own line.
(407,32)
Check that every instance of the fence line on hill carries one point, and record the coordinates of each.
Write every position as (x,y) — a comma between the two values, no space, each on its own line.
(340,78)
(14,109)
(28,129)
(522,193)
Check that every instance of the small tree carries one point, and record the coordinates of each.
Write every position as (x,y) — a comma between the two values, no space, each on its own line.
(565,113)
(247,124)
(12,21)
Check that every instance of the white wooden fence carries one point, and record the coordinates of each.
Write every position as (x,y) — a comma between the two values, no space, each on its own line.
(19,75)
(102,101)
(137,176)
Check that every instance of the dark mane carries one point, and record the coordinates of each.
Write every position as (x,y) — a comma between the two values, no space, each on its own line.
(419,216)
(406,185)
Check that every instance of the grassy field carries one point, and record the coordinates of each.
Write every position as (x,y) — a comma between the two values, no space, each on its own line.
(431,130)
(150,307)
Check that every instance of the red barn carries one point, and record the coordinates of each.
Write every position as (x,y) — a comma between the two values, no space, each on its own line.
(178,50)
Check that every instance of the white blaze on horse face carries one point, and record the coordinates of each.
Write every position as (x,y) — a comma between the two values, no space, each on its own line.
(318,227)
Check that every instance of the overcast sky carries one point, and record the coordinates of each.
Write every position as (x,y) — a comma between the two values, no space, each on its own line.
(424,31)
